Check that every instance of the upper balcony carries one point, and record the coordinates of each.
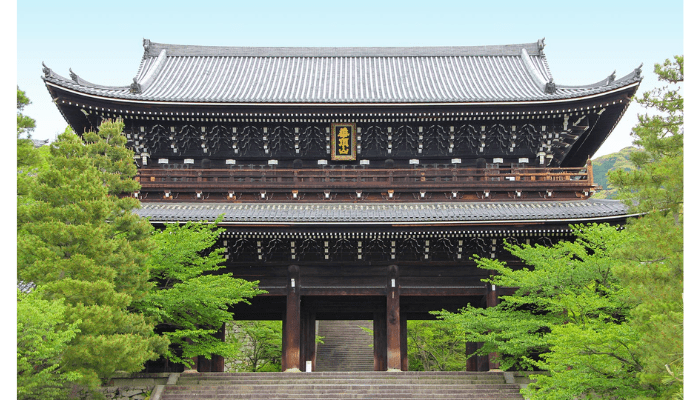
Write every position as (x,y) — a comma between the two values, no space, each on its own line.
(436,182)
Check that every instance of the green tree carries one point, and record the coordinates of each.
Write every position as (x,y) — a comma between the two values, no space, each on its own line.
(260,344)
(79,241)
(42,337)
(25,124)
(604,314)
(652,260)
(567,317)
(189,301)
(29,159)
(435,346)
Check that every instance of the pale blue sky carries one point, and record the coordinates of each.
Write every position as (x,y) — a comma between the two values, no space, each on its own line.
(101,41)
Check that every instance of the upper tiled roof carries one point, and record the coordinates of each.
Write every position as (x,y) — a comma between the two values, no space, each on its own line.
(393,213)
(178,73)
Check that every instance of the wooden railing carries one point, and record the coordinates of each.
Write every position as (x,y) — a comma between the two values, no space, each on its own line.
(347,179)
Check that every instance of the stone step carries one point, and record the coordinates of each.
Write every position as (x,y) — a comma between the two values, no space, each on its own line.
(167,395)
(345,347)
(355,375)
(303,387)
(343,385)
(214,382)
(387,396)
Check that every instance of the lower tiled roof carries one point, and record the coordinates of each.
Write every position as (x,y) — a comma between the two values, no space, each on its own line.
(385,213)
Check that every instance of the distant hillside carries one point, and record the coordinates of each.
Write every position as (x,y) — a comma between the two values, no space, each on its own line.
(603,164)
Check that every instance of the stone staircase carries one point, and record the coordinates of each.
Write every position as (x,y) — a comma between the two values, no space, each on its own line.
(345,346)
(339,385)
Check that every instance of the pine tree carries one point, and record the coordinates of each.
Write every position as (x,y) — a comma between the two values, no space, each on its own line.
(652,260)
(79,241)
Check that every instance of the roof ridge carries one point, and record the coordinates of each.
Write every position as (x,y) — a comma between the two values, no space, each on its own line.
(152,49)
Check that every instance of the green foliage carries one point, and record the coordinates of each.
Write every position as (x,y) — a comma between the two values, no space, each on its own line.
(79,241)
(651,262)
(42,337)
(604,315)
(25,124)
(260,344)
(435,346)
(654,274)
(610,162)
(567,283)
(28,158)
(657,182)
(187,300)
(598,359)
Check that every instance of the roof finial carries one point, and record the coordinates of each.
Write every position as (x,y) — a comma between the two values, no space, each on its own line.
(540,45)
(550,87)
(135,87)
(611,78)
(73,75)
(47,70)
(146,44)
(638,71)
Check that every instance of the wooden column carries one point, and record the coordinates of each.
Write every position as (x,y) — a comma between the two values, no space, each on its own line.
(195,361)
(204,365)
(472,364)
(476,363)
(379,328)
(217,361)
(308,339)
(291,336)
(283,361)
(404,342)
(492,301)
(393,320)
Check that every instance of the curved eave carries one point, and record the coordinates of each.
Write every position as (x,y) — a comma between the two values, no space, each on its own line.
(558,100)
(419,223)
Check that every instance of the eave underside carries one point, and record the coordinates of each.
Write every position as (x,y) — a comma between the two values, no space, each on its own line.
(85,113)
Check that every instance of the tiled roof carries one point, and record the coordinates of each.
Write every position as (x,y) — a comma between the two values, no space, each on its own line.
(393,213)
(178,73)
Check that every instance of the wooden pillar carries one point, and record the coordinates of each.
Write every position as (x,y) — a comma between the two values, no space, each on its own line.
(291,336)
(472,364)
(393,320)
(195,361)
(404,342)
(217,361)
(283,361)
(476,363)
(379,328)
(308,339)
(492,301)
